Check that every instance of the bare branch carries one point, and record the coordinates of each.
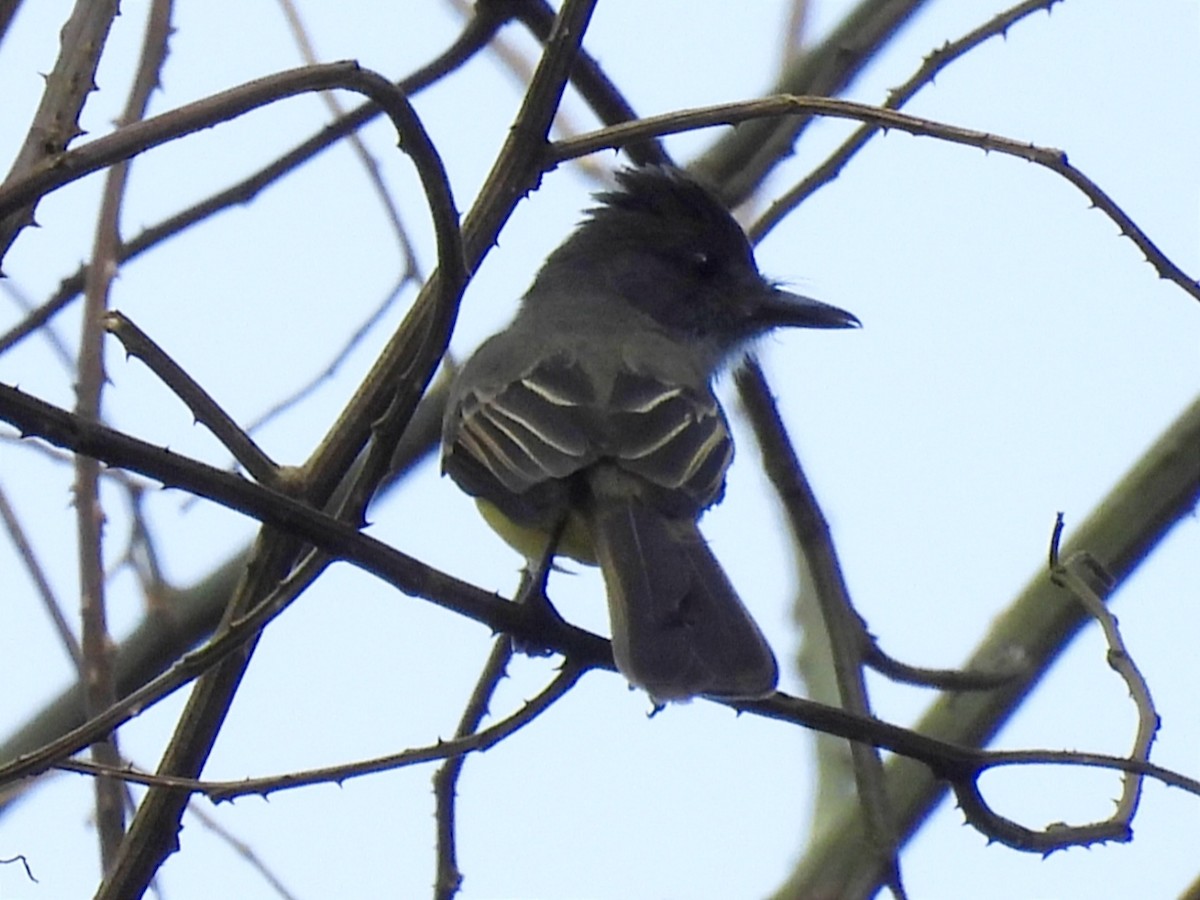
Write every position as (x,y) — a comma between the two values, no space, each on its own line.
(365,159)
(206,410)
(1159,489)
(740,160)
(733,113)
(56,122)
(219,791)
(42,584)
(98,681)
(475,35)
(1085,577)
(934,63)
(842,626)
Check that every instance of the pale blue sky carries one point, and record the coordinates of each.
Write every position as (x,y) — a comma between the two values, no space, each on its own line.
(1016,357)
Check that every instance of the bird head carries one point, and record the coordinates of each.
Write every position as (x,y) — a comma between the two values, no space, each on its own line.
(666,245)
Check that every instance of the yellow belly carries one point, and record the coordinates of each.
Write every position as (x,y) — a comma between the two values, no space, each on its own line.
(576,540)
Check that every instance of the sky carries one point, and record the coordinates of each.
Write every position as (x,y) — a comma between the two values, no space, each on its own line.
(1017,356)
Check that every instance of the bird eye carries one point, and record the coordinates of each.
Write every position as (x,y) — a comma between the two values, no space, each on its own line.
(704,262)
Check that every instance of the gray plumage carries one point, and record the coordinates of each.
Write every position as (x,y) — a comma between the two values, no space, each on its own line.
(596,404)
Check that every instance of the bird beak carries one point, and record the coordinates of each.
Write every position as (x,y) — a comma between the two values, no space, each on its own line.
(781,309)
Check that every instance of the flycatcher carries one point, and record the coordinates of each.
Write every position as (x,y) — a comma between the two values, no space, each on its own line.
(592,417)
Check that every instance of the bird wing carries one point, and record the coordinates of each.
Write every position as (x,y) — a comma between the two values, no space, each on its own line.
(526,435)
(529,430)
(672,436)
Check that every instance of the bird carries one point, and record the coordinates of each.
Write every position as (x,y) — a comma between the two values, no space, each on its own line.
(591,422)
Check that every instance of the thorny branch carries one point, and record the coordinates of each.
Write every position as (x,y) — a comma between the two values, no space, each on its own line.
(750,110)
(302,518)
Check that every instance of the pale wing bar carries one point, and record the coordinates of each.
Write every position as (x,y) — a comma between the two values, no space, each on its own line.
(532,430)
(674,437)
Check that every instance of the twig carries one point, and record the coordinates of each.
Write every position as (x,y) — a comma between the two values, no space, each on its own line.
(943,679)
(448,877)
(404,368)
(42,584)
(207,411)
(146,134)
(219,791)
(960,765)
(592,83)
(141,554)
(242,849)
(127,480)
(1159,489)
(20,857)
(365,159)
(538,17)
(739,160)
(127,773)
(474,36)
(734,113)
(934,63)
(1086,579)
(48,332)
(516,168)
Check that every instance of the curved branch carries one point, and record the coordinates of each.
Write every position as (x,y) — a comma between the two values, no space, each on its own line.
(475,35)
(1159,490)
(735,113)
(129,141)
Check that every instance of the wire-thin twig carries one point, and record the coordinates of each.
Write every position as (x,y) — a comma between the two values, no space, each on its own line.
(20,857)
(368,162)
(40,582)
(339,358)
(242,849)
(48,332)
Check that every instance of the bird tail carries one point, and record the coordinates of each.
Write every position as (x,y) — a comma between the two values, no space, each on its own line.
(679,628)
